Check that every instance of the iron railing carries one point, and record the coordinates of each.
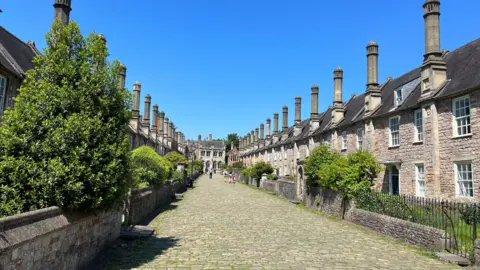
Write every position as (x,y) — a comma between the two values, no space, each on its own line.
(458,220)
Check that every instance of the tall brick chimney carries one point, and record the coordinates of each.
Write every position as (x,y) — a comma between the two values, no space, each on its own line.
(284,122)
(62,10)
(166,126)
(122,76)
(146,114)
(338,108)
(137,88)
(199,137)
(314,120)
(256,134)
(161,119)
(154,119)
(434,69)
(298,117)
(252,137)
(262,130)
(373,97)
(209,137)
(269,122)
(275,127)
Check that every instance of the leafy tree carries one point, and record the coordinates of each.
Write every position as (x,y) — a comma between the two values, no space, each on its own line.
(320,156)
(259,169)
(64,143)
(174,158)
(148,166)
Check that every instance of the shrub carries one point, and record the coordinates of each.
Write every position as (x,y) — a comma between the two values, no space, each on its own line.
(320,155)
(174,158)
(177,175)
(272,177)
(261,168)
(64,143)
(148,166)
(247,172)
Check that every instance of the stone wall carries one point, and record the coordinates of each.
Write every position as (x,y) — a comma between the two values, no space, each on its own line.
(287,189)
(270,185)
(52,239)
(327,201)
(410,232)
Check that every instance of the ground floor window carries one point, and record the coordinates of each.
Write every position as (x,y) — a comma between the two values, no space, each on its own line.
(464,179)
(420,179)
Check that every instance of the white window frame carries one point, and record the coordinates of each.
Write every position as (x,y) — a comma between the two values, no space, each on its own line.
(420,177)
(360,138)
(418,125)
(456,118)
(398,93)
(344,140)
(458,189)
(390,134)
(3,93)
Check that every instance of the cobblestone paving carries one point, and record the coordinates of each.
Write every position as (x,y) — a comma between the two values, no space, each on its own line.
(231,226)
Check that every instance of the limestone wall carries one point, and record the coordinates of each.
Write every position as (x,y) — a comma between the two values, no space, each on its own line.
(52,239)
(287,189)
(327,201)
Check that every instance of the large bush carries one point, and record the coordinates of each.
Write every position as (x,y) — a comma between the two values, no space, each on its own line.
(320,156)
(64,143)
(261,168)
(174,158)
(150,167)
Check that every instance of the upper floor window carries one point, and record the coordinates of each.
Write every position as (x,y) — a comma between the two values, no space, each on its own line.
(208,153)
(360,138)
(464,179)
(417,119)
(214,153)
(220,154)
(203,153)
(394,131)
(344,140)
(3,86)
(461,115)
(398,96)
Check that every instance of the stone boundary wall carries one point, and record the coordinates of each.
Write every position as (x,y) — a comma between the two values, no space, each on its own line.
(413,233)
(282,187)
(269,185)
(327,201)
(144,201)
(52,239)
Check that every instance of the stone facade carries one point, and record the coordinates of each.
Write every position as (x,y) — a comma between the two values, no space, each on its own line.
(210,152)
(233,155)
(421,127)
(51,239)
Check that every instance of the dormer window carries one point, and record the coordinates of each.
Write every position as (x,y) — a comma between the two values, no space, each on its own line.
(398,96)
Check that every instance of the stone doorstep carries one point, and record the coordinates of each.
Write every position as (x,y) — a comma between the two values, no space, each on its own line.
(453,258)
(136,232)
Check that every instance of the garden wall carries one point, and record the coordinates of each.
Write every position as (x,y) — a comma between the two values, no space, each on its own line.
(282,187)
(410,232)
(52,239)
(327,201)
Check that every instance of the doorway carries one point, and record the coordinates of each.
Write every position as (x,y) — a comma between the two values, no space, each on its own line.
(394,180)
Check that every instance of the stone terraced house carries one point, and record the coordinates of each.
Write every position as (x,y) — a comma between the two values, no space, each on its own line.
(422,126)
(16,57)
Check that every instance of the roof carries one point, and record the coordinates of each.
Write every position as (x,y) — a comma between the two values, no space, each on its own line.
(15,55)
(354,110)
(215,144)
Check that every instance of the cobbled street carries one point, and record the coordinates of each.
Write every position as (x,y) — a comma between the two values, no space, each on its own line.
(232,226)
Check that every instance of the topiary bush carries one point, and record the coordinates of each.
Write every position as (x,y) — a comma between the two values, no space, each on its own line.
(64,143)
(150,167)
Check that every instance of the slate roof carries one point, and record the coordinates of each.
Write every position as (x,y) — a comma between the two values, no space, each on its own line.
(215,144)
(15,55)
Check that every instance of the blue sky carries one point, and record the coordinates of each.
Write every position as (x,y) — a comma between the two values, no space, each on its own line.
(217,66)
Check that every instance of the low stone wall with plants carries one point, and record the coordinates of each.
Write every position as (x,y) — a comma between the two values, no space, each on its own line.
(413,233)
(52,239)
(287,189)
(269,185)
(328,201)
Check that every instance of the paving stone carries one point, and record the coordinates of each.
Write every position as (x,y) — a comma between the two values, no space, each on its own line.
(217,225)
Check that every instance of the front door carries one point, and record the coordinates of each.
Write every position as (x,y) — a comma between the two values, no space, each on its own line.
(394,181)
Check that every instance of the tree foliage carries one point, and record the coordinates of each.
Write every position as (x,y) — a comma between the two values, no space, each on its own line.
(64,143)
(150,167)
(261,168)
(232,140)
(174,158)
(320,156)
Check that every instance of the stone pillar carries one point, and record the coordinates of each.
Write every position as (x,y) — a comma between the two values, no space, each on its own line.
(261,131)
(137,88)
(155,118)
(372,64)
(122,76)
(284,120)
(161,119)
(338,111)
(146,114)
(62,10)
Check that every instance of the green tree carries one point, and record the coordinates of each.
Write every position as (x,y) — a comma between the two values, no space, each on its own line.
(232,140)
(259,169)
(174,158)
(320,156)
(64,143)
(149,167)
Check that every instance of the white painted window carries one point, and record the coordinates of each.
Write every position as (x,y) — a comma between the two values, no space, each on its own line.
(461,115)
(360,138)
(464,179)
(398,96)
(394,131)
(3,86)
(420,179)
(418,121)
(344,140)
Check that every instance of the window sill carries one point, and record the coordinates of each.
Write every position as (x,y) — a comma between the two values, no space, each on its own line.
(393,146)
(418,142)
(462,136)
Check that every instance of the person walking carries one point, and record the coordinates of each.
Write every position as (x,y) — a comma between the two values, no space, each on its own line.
(210,172)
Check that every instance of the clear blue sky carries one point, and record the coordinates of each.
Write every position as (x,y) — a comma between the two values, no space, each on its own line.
(222,66)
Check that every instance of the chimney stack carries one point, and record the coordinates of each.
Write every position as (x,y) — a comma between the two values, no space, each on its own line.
(146,114)
(155,119)
(275,127)
(298,120)
(314,120)
(434,69)
(137,88)
(166,128)
(62,10)
(252,137)
(122,74)
(284,121)
(268,128)
(373,96)
(199,137)
(209,137)
(256,134)
(161,119)
(170,130)
(262,128)
(338,110)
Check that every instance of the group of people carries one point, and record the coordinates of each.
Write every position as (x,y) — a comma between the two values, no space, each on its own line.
(229,177)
